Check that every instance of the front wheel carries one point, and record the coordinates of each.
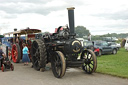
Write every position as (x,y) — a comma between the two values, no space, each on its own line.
(90,61)
(58,64)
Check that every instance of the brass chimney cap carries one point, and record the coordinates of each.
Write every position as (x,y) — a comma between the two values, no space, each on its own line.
(70,8)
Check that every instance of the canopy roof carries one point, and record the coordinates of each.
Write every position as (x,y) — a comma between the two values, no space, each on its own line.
(24,31)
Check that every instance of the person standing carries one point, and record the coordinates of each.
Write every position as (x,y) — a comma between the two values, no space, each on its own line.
(25,58)
(89,37)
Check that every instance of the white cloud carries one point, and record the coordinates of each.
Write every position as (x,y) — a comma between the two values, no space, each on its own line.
(55,3)
(99,16)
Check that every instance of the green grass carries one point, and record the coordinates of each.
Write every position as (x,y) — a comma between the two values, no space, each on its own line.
(116,65)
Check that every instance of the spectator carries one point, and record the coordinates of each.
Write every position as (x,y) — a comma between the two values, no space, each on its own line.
(25,58)
(89,37)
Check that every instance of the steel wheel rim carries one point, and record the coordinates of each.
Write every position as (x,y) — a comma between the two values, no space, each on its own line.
(58,64)
(90,62)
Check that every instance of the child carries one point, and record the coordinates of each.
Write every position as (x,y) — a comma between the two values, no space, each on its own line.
(25,58)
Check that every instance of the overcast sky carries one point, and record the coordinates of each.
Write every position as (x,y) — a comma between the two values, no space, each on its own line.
(98,16)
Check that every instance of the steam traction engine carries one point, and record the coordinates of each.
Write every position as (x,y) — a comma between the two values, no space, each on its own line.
(20,37)
(62,50)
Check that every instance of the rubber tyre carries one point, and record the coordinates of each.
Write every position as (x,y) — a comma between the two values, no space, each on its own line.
(114,51)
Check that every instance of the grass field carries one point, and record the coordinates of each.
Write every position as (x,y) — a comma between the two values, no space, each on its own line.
(116,65)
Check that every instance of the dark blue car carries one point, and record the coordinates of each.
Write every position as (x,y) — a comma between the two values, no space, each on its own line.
(104,47)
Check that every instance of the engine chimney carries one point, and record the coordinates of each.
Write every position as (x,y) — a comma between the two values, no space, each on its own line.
(15,29)
(71,20)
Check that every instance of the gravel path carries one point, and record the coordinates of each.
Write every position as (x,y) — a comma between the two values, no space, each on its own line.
(25,75)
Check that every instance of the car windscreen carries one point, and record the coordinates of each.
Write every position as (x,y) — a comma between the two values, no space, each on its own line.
(104,43)
(101,43)
(87,43)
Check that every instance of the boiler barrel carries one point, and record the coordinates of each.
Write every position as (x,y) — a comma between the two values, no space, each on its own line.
(71,20)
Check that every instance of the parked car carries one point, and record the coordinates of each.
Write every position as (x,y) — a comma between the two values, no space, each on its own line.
(126,44)
(89,45)
(104,47)
(115,44)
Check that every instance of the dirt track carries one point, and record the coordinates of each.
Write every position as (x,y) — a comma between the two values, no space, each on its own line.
(25,75)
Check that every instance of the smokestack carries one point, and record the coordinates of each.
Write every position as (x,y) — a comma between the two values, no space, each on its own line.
(15,29)
(71,19)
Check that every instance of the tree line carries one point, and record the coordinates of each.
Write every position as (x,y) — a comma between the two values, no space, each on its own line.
(82,31)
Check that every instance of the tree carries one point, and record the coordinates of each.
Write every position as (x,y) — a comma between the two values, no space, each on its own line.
(81,31)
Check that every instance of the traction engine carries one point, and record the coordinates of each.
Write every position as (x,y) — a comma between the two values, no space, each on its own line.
(63,50)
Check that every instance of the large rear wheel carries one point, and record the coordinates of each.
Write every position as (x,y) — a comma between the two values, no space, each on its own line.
(58,64)
(39,54)
(16,53)
(90,61)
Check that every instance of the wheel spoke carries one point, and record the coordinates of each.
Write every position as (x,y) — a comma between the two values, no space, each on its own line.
(91,60)
(87,55)
(55,59)
(58,70)
(58,67)
(86,67)
(91,63)
(90,57)
(90,67)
